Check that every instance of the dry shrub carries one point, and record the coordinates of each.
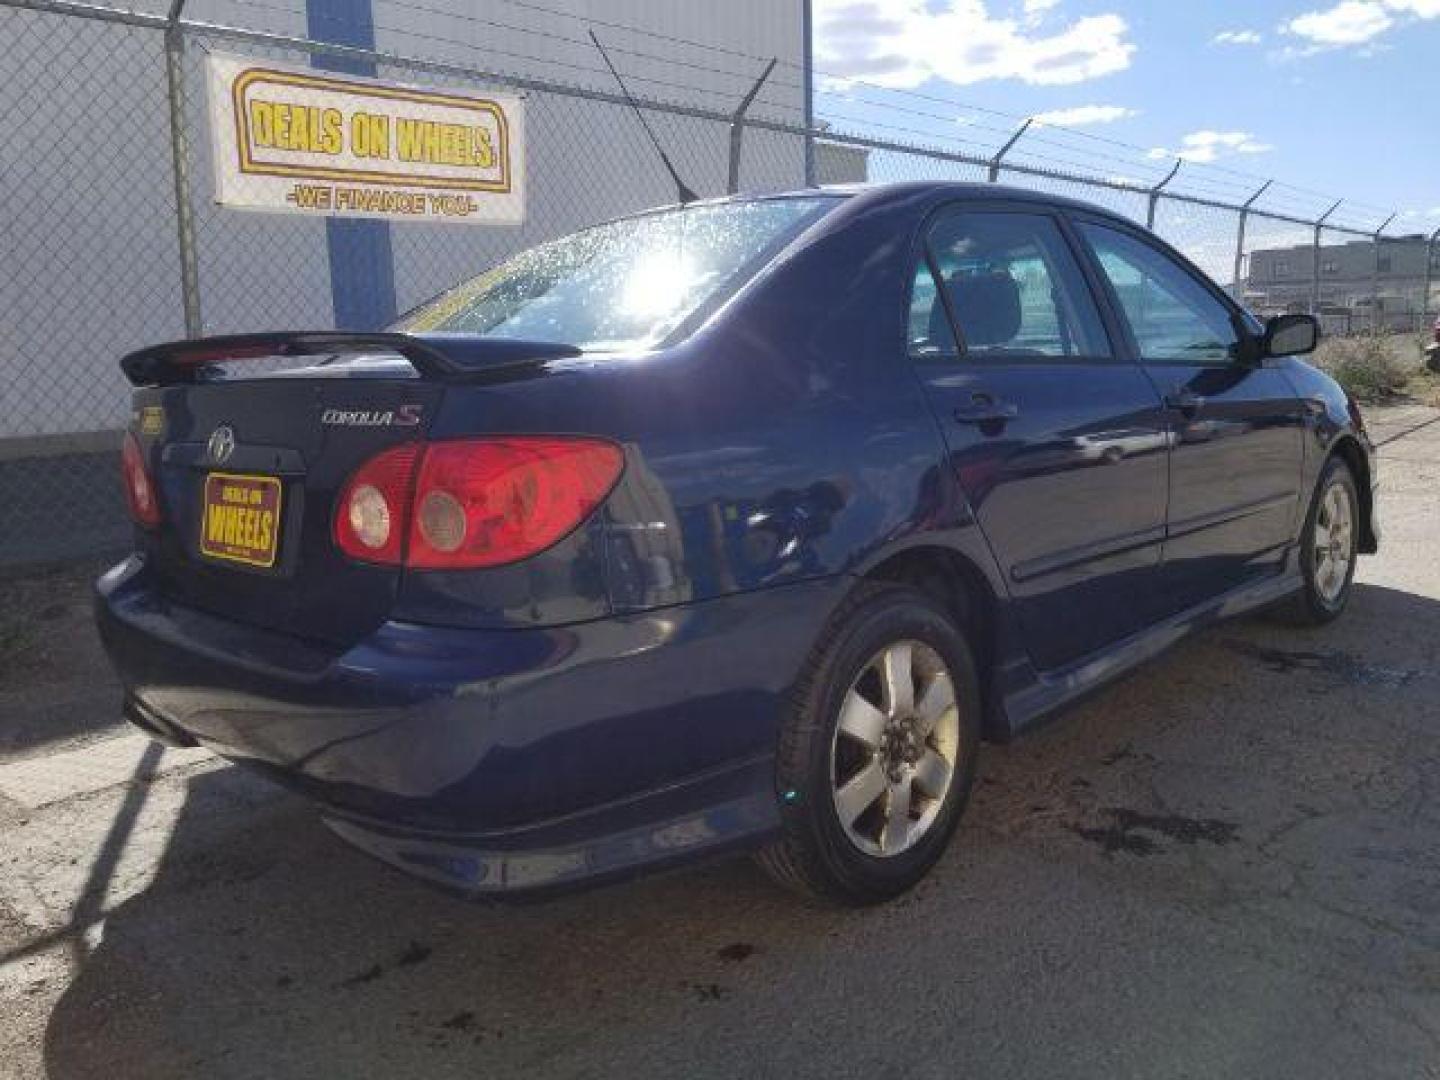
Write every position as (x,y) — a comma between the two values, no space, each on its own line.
(1369,366)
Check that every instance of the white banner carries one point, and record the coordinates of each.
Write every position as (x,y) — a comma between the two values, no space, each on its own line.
(297,140)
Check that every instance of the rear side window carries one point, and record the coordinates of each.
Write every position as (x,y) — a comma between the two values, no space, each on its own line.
(625,285)
(1014,288)
(1171,313)
(930,333)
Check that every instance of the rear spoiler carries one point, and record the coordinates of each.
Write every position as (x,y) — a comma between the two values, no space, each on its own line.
(446,357)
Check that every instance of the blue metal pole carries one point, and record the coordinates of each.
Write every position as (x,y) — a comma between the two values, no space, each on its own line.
(362,268)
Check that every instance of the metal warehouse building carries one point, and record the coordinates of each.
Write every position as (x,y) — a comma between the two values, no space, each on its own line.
(91,243)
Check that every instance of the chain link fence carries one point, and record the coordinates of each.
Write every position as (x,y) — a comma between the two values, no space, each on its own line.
(113,239)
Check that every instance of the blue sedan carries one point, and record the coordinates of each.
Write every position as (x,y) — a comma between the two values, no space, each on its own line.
(735,525)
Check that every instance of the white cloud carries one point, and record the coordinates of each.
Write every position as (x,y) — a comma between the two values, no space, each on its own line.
(1080,115)
(1354,22)
(1206,146)
(1350,22)
(1421,9)
(902,43)
(1237,37)
(1037,10)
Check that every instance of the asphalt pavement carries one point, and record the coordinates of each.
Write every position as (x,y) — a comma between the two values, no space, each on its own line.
(1225,865)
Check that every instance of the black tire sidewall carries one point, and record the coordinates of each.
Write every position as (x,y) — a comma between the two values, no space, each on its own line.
(894,614)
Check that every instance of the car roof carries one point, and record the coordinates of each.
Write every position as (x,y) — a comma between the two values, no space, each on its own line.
(879,193)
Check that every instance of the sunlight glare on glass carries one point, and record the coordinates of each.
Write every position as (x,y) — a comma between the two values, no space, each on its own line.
(658,284)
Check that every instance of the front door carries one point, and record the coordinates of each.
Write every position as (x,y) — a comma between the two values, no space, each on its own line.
(1057,442)
(1237,426)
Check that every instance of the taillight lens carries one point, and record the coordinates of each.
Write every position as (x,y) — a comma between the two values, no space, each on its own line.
(139,488)
(484,502)
(375,506)
(473,502)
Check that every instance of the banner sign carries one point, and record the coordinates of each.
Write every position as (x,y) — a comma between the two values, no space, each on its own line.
(295,140)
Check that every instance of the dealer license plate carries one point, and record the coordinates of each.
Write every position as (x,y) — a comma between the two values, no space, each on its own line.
(241,519)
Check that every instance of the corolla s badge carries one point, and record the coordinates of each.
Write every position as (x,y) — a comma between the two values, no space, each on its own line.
(400,416)
(221,444)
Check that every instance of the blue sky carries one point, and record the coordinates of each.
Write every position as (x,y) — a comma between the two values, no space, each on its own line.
(1338,97)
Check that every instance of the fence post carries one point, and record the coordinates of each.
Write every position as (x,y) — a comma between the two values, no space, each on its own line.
(1315,259)
(807,32)
(737,130)
(1375,321)
(1239,291)
(1429,274)
(180,167)
(1000,154)
(1155,193)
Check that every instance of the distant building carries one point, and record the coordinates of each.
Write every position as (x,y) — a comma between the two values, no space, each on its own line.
(841,163)
(1283,279)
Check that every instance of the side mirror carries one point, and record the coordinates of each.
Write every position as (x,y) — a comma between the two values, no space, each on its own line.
(1290,335)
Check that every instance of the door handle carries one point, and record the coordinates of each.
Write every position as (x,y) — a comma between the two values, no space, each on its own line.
(1185,401)
(985,409)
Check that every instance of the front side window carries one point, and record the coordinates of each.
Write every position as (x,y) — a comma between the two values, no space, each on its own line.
(625,285)
(1014,289)
(1172,315)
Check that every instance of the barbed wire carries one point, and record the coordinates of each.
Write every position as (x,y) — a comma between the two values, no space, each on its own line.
(1143,162)
(1208,179)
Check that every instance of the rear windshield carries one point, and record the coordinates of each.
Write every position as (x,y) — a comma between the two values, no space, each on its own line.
(625,285)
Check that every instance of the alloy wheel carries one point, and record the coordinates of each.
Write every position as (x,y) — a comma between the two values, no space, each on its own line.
(1334,543)
(895,748)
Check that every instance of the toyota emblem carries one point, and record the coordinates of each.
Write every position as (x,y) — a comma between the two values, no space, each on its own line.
(221,444)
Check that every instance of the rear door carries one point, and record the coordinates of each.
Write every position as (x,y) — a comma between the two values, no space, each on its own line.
(1057,442)
(1237,425)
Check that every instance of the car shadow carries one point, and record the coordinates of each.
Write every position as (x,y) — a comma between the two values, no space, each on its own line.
(263,946)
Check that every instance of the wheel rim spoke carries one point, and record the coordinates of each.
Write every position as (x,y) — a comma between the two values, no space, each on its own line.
(861,721)
(894,748)
(937,698)
(860,792)
(932,774)
(1333,542)
(897,818)
(897,674)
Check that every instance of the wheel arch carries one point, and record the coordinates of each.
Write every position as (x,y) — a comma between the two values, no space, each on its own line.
(965,592)
(1348,449)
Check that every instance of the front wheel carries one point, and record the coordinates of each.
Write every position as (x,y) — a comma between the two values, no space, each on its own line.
(878,751)
(1329,546)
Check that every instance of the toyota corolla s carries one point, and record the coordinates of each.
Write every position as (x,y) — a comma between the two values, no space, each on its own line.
(736,525)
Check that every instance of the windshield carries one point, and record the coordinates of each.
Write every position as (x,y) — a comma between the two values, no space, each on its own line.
(625,285)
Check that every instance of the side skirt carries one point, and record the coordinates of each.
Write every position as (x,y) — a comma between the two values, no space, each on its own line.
(1050,691)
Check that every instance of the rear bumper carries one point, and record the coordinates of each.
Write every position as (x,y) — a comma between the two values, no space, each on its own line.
(491,760)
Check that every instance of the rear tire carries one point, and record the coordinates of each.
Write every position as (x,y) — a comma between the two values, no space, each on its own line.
(1329,544)
(877,751)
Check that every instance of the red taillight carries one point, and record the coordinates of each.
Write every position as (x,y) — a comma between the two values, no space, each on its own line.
(139,488)
(374,507)
(483,502)
(475,502)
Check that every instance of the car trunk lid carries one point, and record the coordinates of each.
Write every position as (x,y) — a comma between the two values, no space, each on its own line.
(249,469)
